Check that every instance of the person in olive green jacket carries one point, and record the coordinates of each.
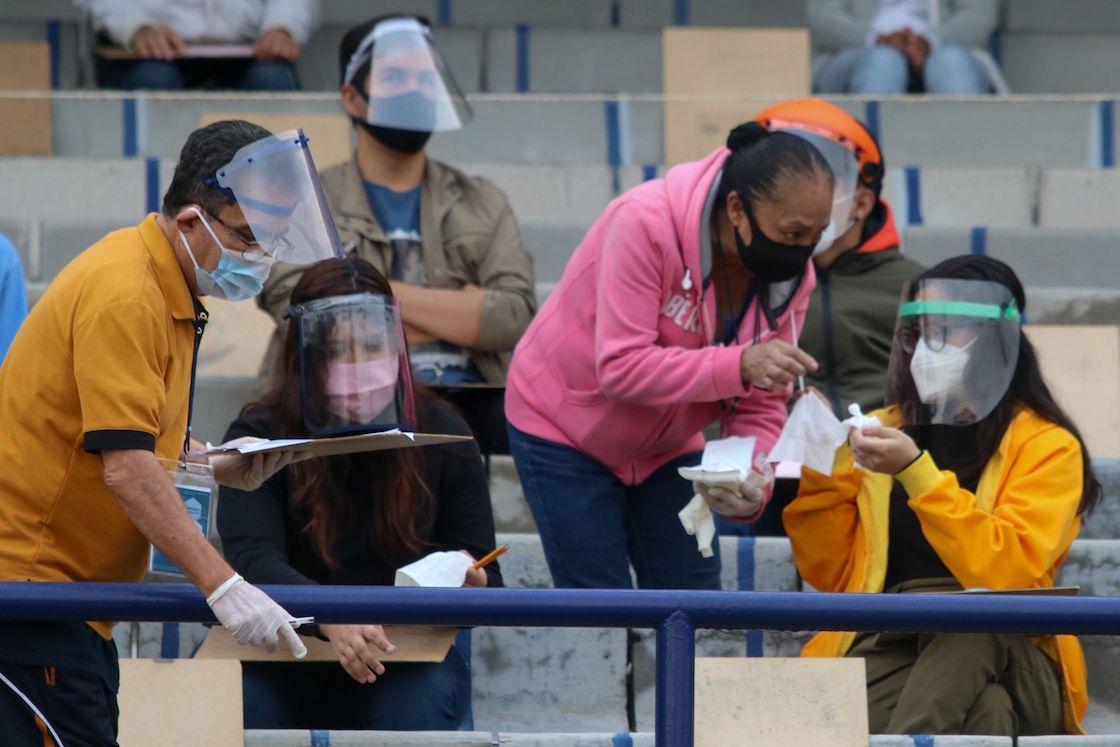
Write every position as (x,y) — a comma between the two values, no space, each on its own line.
(449,242)
(849,325)
(860,270)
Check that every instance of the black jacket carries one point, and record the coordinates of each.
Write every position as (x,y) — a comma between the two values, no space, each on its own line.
(263,538)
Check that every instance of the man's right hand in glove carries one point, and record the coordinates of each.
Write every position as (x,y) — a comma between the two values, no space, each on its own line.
(252,617)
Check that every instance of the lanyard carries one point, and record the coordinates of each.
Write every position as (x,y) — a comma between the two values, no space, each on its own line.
(200,318)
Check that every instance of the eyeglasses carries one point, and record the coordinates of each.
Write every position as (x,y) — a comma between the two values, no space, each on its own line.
(254,250)
(936,331)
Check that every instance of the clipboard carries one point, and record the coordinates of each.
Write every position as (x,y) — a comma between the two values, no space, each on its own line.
(415,643)
(322,447)
(195,51)
(1048,591)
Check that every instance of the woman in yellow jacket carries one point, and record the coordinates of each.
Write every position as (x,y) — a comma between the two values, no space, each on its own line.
(976,478)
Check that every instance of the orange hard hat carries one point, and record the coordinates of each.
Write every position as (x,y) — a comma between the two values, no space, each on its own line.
(828,120)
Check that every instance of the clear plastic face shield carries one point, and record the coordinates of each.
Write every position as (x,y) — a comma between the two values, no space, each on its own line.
(354,373)
(844,163)
(410,87)
(955,350)
(277,189)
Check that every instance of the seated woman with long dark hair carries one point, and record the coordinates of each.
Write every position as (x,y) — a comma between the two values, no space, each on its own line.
(976,478)
(354,519)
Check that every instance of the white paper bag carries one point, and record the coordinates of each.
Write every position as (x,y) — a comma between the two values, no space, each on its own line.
(446,569)
(811,436)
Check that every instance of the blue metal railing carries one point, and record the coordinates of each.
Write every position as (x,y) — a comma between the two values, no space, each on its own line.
(674,614)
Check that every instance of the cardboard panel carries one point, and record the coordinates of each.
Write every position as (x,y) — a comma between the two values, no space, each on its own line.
(180,703)
(236,338)
(414,643)
(781,702)
(1082,366)
(27,122)
(329,134)
(755,67)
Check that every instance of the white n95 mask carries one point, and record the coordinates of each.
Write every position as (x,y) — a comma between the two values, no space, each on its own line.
(939,374)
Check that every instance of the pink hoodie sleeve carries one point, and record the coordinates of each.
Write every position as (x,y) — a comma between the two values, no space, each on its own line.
(631,363)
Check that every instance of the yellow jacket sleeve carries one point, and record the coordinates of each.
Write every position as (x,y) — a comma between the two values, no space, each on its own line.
(823,523)
(1033,521)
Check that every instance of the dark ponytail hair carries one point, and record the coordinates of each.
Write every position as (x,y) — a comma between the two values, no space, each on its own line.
(762,163)
(1027,388)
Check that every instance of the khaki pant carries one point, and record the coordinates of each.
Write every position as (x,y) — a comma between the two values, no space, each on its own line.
(942,683)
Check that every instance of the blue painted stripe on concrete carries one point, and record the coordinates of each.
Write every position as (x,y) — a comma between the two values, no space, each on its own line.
(922,740)
(129,119)
(995,46)
(622,739)
(320,738)
(151,185)
(169,642)
(443,13)
(680,12)
(978,241)
(871,119)
(614,142)
(746,567)
(913,196)
(522,62)
(53,42)
(1106,113)
(649,171)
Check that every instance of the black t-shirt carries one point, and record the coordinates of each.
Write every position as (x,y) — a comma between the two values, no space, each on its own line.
(909,554)
(264,540)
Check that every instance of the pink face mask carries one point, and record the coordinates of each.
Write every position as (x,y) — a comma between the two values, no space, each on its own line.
(360,391)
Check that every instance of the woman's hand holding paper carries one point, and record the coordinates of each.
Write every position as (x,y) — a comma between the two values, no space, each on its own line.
(886,450)
(738,501)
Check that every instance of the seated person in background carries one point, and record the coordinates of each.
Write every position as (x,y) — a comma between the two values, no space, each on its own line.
(13,294)
(902,46)
(159,32)
(448,242)
(976,478)
(354,519)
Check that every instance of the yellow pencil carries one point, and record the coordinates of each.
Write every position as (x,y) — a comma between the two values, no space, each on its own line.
(489,557)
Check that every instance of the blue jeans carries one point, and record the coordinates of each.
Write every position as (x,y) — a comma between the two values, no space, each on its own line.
(164,75)
(883,70)
(321,695)
(594,528)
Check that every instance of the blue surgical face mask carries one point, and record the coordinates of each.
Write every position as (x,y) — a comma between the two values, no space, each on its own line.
(235,278)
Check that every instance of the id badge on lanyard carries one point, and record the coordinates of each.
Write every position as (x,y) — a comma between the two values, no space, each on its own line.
(196,486)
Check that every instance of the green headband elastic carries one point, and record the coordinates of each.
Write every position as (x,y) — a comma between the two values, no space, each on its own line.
(959,308)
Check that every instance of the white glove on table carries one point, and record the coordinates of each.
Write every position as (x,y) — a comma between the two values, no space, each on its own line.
(249,471)
(251,616)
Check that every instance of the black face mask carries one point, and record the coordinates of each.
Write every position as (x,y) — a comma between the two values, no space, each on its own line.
(412,107)
(771,261)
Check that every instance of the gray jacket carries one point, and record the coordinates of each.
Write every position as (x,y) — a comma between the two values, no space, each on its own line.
(469,236)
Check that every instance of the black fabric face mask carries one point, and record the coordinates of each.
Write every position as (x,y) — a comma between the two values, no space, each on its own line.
(770,261)
(413,107)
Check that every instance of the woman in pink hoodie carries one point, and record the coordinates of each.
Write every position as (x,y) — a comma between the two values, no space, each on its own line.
(675,311)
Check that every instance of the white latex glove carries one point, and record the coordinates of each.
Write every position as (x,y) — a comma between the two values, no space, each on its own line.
(249,471)
(734,501)
(251,617)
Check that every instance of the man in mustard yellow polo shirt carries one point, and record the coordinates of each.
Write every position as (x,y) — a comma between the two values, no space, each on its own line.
(96,389)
